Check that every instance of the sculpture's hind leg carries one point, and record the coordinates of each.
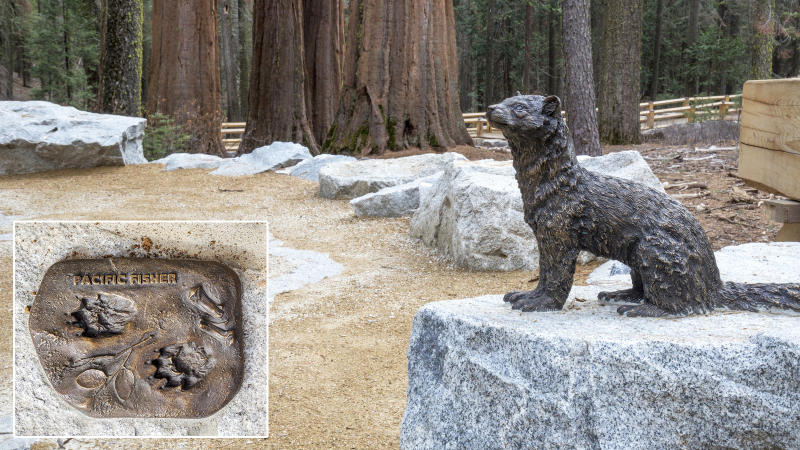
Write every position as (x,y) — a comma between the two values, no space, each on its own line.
(632,295)
(643,310)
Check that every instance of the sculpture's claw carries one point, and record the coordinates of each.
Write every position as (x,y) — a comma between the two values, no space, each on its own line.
(643,310)
(531,301)
(625,296)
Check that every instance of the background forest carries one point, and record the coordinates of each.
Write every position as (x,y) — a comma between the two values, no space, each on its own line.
(688,48)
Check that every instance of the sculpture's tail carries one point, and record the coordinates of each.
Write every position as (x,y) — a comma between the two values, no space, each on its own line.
(751,297)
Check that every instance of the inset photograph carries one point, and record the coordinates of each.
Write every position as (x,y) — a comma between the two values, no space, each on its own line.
(140,329)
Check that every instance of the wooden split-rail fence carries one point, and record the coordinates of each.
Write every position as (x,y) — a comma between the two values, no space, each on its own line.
(650,114)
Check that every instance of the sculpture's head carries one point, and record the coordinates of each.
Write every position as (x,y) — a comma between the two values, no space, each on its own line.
(531,116)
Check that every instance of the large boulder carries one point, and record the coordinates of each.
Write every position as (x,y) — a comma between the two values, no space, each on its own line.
(473,214)
(39,136)
(309,168)
(356,178)
(396,201)
(177,161)
(484,376)
(270,157)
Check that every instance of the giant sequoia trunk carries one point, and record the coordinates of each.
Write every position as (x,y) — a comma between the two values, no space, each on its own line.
(401,79)
(581,115)
(121,65)
(278,78)
(618,116)
(323,37)
(184,70)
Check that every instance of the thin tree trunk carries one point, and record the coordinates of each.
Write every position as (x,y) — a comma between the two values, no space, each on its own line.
(656,49)
(488,91)
(581,115)
(121,74)
(229,57)
(7,13)
(692,80)
(278,80)
(401,79)
(465,66)
(66,49)
(526,83)
(245,53)
(761,44)
(323,37)
(795,59)
(184,70)
(552,80)
(618,117)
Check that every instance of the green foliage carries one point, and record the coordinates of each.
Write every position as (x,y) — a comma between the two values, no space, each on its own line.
(162,137)
(64,45)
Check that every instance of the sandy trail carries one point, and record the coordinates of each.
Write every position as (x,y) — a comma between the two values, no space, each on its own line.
(338,373)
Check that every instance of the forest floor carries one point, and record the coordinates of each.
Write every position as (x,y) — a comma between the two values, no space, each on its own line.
(338,367)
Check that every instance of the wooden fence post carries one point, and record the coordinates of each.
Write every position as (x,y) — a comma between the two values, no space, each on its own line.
(723,108)
(651,116)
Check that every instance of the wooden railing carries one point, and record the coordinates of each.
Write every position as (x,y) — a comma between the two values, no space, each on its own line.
(232,128)
(650,113)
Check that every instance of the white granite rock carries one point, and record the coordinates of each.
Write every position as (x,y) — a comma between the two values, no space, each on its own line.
(242,246)
(396,201)
(482,375)
(356,178)
(309,267)
(473,214)
(274,156)
(627,164)
(38,136)
(309,168)
(773,262)
(177,161)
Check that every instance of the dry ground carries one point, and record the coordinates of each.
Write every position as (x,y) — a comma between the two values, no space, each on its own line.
(338,374)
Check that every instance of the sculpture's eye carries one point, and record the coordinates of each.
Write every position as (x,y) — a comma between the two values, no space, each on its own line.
(519,109)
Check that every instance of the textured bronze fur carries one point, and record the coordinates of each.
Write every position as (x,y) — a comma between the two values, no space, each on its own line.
(570,209)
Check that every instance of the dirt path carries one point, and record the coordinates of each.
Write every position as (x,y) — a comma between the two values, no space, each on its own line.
(338,373)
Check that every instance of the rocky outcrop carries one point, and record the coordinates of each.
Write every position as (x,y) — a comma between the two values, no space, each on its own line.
(177,161)
(309,168)
(39,136)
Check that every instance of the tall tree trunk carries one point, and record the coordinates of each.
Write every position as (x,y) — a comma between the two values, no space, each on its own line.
(66,48)
(618,117)
(7,33)
(465,65)
(526,83)
(229,57)
(581,115)
(147,49)
(121,73)
(656,49)
(488,90)
(692,80)
(278,79)
(795,59)
(184,70)
(761,43)
(245,24)
(323,37)
(597,8)
(552,79)
(401,79)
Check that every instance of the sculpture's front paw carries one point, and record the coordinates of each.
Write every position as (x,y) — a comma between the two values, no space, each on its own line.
(531,301)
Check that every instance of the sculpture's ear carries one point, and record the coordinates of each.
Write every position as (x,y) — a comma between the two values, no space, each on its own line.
(518,94)
(552,106)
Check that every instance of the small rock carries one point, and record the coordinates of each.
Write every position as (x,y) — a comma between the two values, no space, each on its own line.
(395,201)
(740,196)
(274,156)
(356,178)
(309,168)
(177,161)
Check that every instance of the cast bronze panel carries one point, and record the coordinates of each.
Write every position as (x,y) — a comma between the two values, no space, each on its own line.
(136,337)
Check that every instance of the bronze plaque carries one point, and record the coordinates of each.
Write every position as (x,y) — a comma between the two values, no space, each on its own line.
(138,337)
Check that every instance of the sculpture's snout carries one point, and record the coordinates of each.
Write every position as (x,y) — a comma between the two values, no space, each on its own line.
(489,111)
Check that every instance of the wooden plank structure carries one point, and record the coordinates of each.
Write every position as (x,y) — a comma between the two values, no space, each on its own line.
(769,148)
